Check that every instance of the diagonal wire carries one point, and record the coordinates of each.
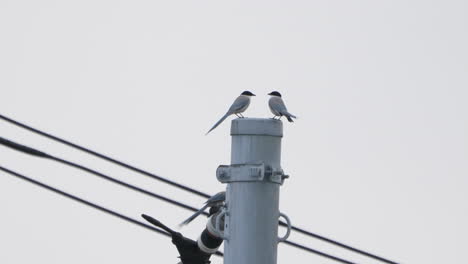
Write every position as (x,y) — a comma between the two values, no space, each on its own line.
(133,221)
(37,153)
(336,243)
(41,154)
(93,205)
(202,194)
(68,143)
(318,252)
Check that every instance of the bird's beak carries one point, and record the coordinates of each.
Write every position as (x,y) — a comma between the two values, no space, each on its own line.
(253,95)
(269,94)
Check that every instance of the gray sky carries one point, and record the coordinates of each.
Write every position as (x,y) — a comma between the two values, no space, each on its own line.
(378,156)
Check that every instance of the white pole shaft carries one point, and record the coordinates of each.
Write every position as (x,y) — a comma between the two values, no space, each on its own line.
(251,223)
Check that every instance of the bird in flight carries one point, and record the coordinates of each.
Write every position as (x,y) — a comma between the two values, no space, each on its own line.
(215,200)
(278,108)
(238,107)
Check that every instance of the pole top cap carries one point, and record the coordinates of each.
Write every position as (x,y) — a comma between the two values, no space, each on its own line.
(257,127)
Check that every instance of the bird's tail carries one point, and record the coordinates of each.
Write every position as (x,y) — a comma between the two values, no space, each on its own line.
(190,219)
(219,122)
(290,117)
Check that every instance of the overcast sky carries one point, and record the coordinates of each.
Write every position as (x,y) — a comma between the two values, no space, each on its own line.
(378,157)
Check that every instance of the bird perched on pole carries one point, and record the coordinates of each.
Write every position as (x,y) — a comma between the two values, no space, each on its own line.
(238,107)
(278,108)
(215,200)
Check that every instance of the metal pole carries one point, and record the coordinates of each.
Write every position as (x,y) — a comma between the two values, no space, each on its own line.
(252,195)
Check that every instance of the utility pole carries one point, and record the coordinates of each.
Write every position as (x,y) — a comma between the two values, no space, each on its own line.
(252,195)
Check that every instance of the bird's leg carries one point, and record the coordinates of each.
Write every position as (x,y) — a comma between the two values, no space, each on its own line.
(241,115)
(237,115)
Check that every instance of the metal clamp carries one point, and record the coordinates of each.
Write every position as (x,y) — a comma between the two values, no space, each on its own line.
(249,173)
(218,224)
(240,172)
(276,175)
(288,230)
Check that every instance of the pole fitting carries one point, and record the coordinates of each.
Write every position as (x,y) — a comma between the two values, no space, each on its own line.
(250,172)
(257,127)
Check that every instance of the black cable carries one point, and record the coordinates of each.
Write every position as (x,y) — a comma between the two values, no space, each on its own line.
(133,221)
(334,242)
(23,148)
(130,167)
(95,206)
(41,154)
(202,194)
(318,252)
(29,150)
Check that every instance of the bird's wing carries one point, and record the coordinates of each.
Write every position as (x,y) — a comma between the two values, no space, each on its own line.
(217,198)
(277,104)
(239,105)
(190,219)
(213,200)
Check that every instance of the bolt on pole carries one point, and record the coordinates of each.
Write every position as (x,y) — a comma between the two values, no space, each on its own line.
(252,195)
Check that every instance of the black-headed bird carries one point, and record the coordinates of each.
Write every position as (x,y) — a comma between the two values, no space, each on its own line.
(278,108)
(241,104)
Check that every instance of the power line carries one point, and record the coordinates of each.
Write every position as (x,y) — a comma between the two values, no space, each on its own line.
(68,143)
(37,153)
(189,189)
(93,205)
(336,243)
(318,252)
(133,221)
(41,154)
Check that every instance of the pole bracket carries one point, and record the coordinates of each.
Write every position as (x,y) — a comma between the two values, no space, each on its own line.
(250,173)
(288,228)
